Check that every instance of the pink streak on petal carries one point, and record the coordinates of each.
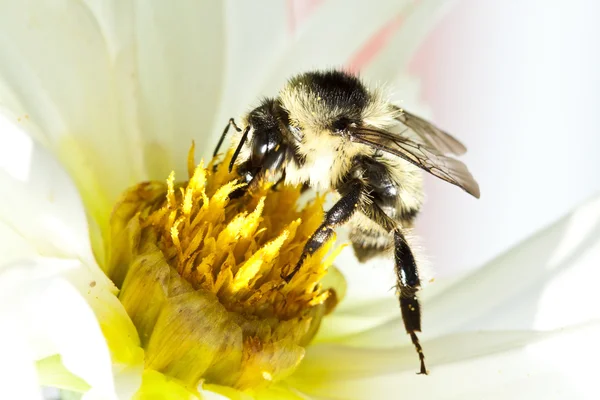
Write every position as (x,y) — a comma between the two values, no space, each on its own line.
(373,46)
(298,12)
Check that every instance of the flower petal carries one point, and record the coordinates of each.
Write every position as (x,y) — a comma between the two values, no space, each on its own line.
(255,39)
(547,282)
(53,374)
(489,369)
(55,76)
(218,392)
(41,211)
(42,215)
(117,328)
(17,370)
(118,91)
(56,319)
(175,56)
(158,386)
(477,320)
(279,391)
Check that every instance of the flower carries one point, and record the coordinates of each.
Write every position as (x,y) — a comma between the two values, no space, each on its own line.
(116,110)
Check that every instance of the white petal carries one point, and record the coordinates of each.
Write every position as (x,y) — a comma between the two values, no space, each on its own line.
(118,330)
(117,90)
(217,392)
(56,319)
(256,37)
(279,391)
(41,212)
(18,376)
(179,53)
(56,77)
(367,282)
(169,64)
(558,366)
(545,283)
(42,215)
(556,271)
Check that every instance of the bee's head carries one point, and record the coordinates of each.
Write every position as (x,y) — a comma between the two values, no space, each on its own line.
(265,149)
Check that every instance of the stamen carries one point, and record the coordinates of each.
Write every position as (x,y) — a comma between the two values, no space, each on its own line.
(219,284)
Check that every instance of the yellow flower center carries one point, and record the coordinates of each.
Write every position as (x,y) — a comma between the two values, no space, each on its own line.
(200,275)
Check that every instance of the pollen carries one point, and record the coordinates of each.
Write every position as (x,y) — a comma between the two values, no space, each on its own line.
(201,270)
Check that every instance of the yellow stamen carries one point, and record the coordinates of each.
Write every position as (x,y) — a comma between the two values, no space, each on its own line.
(201,276)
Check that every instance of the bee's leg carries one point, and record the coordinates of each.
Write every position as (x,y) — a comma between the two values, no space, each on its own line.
(339,214)
(407,276)
(239,192)
(229,124)
(248,175)
(408,286)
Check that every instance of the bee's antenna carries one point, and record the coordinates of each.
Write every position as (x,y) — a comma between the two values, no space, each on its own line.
(239,148)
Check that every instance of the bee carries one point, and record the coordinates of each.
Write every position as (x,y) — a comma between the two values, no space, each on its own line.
(326,130)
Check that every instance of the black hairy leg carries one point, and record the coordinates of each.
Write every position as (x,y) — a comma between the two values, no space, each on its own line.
(247,175)
(339,214)
(408,282)
(408,286)
(383,193)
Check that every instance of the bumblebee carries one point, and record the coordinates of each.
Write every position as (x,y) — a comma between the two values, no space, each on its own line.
(328,131)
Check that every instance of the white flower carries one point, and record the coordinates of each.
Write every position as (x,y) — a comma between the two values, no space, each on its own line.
(116,91)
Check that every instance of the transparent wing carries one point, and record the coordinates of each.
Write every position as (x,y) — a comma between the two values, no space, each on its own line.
(431,160)
(431,135)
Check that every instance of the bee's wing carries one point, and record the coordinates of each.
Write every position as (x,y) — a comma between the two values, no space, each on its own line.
(434,137)
(431,160)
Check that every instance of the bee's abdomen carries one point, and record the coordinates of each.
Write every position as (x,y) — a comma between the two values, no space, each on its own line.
(368,239)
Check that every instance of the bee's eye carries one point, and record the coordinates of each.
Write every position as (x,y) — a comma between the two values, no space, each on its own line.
(341,124)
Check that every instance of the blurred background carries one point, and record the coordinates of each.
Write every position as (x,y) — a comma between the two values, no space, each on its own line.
(519,83)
